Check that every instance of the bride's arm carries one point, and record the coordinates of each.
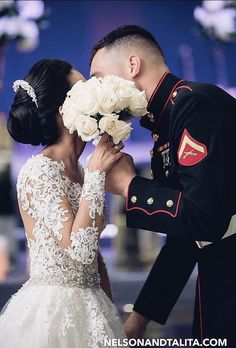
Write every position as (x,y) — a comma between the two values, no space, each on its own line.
(82,235)
(43,195)
(79,235)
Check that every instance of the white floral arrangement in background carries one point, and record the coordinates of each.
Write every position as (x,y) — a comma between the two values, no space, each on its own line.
(217,19)
(101,105)
(20,21)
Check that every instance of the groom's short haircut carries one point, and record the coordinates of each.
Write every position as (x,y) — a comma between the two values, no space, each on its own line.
(127,36)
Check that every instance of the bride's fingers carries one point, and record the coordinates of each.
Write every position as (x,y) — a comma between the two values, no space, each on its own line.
(105,138)
(106,141)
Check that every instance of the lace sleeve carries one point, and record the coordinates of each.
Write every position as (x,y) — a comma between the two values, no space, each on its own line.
(84,240)
(42,193)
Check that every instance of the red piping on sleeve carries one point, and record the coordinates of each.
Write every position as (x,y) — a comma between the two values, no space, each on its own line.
(156,211)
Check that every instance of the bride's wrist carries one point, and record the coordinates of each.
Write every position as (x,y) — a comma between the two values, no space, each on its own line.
(94,168)
(94,172)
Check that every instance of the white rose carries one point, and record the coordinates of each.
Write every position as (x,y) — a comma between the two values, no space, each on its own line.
(93,82)
(122,88)
(108,124)
(87,127)
(123,132)
(107,100)
(124,94)
(86,102)
(115,82)
(74,92)
(138,103)
(83,98)
(76,87)
(69,114)
(111,81)
(118,130)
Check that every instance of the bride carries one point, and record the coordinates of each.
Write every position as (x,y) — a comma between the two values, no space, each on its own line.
(63,304)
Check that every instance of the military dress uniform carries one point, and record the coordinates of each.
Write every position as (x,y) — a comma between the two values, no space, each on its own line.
(192,199)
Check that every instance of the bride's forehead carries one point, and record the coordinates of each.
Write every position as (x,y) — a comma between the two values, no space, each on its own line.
(75,76)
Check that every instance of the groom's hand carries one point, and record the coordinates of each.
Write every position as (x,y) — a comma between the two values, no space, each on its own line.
(120,176)
(135,326)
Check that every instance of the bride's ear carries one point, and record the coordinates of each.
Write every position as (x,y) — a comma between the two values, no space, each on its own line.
(60,111)
(134,66)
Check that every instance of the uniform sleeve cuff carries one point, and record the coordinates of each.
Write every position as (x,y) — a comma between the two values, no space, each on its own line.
(150,198)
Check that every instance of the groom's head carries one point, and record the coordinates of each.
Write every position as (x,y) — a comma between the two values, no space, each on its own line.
(130,52)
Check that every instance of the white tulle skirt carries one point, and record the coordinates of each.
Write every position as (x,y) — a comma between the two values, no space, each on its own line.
(59,317)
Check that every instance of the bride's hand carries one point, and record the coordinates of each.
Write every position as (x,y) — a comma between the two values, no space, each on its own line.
(105,155)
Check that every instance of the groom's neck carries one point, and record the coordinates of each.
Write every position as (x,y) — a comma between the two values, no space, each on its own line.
(151,78)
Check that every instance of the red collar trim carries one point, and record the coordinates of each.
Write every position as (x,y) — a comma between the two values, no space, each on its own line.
(170,95)
(157,87)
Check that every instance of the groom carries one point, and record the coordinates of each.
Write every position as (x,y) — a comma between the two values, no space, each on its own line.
(192,196)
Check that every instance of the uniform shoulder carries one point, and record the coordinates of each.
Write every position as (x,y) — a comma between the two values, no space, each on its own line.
(198,104)
(198,92)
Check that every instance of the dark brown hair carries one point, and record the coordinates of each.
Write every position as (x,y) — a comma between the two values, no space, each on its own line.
(29,124)
(124,35)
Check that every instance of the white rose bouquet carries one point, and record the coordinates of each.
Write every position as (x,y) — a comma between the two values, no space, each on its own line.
(101,105)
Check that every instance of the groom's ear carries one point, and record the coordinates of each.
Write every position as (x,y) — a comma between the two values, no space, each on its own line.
(134,65)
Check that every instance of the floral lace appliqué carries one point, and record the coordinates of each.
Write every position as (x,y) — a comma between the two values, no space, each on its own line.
(63,296)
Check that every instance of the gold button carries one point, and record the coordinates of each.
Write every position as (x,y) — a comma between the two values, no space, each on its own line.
(150,201)
(174,94)
(155,136)
(133,199)
(151,153)
(169,203)
(151,173)
(167,173)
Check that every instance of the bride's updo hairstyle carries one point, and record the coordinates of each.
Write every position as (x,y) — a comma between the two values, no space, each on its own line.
(33,122)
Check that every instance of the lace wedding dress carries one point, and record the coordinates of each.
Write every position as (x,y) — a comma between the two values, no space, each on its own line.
(62,304)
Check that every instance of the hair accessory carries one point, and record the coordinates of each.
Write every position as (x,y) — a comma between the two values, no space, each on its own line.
(26,86)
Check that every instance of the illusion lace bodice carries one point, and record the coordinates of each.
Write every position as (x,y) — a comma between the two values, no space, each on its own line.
(62,304)
(44,192)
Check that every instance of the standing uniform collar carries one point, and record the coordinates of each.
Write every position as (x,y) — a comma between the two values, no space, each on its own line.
(162,94)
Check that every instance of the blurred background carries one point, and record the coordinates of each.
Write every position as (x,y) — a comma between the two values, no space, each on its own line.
(198,40)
